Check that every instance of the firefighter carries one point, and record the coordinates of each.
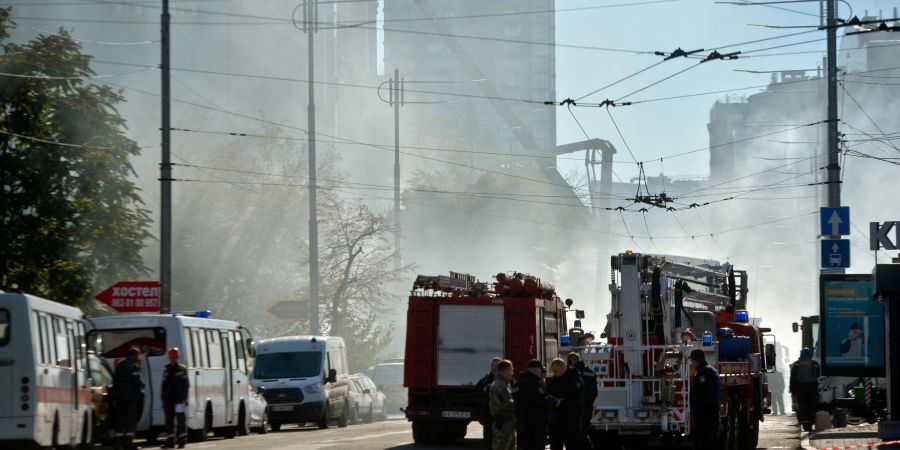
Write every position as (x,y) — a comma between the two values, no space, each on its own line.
(532,406)
(805,387)
(482,390)
(174,390)
(704,397)
(565,420)
(589,380)
(503,408)
(128,397)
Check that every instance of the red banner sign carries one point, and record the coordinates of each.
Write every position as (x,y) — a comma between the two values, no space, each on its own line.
(132,296)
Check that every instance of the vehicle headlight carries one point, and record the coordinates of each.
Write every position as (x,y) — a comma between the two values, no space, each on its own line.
(641,414)
(313,389)
(610,414)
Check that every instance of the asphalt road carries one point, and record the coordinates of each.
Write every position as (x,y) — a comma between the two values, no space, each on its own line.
(778,432)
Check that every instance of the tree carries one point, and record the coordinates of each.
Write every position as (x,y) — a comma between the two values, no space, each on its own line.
(72,218)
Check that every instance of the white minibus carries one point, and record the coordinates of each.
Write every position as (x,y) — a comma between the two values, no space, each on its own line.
(303,379)
(216,352)
(45,389)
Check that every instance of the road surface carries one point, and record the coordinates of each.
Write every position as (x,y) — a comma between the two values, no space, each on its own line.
(778,432)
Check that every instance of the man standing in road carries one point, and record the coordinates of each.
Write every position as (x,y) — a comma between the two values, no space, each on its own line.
(565,420)
(175,386)
(776,387)
(704,397)
(128,397)
(805,387)
(482,390)
(503,408)
(589,381)
(532,406)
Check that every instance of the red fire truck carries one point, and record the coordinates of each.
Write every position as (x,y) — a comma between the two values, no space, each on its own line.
(664,307)
(455,326)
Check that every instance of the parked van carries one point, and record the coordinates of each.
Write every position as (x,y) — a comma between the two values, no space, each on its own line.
(303,379)
(45,389)
(216,352)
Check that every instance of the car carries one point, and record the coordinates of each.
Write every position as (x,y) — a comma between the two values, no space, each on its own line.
(388,378)
(258,418)
(101,376)
(360,401)
(378,412)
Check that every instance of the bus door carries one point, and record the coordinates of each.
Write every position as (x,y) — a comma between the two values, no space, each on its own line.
(73,387)
(228,362)
(64,387)
(201,358)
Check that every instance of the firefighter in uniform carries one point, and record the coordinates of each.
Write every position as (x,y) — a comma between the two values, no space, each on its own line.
(175,386)
(565,420)
(704,396)
(532,406)
(503,408)
(128,397)
(805,387)
(589,381)
(482,390)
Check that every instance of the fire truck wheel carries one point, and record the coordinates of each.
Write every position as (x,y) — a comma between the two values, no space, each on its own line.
(422,432)
(748,428)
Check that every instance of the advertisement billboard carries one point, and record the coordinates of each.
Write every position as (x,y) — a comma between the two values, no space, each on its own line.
(852,327)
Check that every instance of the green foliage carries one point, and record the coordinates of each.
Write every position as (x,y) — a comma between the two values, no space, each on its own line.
(72,219)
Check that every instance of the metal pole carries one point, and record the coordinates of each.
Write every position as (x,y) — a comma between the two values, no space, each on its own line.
(165,175)
(396,92)
(313,220)
(834,168)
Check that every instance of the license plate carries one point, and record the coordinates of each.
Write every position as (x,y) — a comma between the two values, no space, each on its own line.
(283,408)
(456,414)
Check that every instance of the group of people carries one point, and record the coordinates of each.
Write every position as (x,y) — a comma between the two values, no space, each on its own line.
(127,399)
(528,411)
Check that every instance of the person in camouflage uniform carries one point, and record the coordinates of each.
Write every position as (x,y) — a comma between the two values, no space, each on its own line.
(503,409)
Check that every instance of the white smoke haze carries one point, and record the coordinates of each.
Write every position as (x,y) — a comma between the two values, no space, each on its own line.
(490,206)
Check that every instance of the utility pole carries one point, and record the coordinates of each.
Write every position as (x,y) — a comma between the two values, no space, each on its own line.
(165,175)
(310,26)
(834,167)
(397,86)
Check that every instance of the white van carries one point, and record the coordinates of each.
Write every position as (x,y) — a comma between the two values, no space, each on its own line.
(304,379)
(216,352)
(45,389)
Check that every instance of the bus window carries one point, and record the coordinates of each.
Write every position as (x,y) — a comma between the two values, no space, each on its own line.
(199,349)
(62,343)
(46,344)
(204,349)
(73,346)
(187,351)
(215,349)
(81,343)
(42,348)
(239,349)
(115,343)
(4,327)
(228,341)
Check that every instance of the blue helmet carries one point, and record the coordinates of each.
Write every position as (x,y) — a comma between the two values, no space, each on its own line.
(806,353)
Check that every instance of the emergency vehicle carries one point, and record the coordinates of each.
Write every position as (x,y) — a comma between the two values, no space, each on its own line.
(664,307)
(455,326)
(45,396)
(218,354)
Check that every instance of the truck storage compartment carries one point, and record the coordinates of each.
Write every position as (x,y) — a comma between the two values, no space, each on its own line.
(466,334)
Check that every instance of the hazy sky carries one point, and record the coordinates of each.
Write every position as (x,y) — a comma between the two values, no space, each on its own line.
(661,128)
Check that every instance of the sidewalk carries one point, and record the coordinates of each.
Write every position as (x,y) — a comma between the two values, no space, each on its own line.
(864,436)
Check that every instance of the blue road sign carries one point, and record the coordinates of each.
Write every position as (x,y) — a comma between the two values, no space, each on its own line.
(835,253)
(834,221)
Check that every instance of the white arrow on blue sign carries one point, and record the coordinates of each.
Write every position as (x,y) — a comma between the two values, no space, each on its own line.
(835,253)
(834,221)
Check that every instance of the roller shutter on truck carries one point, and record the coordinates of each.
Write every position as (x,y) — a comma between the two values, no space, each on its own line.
(468,333)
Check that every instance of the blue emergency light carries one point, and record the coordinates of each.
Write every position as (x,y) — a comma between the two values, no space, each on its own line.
(707,338)
(203,314)
(564,340)
(742,316)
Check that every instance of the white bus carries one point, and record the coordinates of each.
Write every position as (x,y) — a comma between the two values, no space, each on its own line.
(216,352)
(45,396)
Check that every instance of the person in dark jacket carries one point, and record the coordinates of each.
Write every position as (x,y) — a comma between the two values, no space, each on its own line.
(482,390)
(532,407)
(704,396)
(589,380)
(174,396)
(128,398)
(805,388)
(565,420)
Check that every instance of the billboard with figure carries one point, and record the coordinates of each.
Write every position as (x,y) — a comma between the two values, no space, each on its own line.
(852,327)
